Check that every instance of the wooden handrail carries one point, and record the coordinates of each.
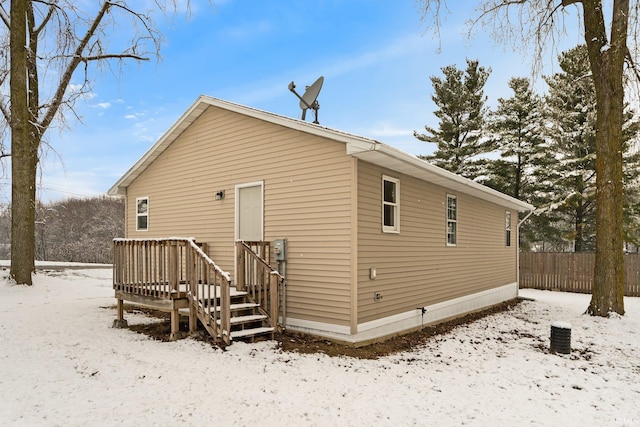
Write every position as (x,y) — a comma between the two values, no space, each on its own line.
(256,277)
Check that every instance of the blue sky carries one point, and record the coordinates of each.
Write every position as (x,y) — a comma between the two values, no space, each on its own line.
(376,57)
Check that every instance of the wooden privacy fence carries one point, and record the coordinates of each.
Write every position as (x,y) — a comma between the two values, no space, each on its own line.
(571,271)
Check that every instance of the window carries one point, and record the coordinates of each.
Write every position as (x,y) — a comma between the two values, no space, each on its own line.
(507,228)
(142,214)
(390,205)
(452,220)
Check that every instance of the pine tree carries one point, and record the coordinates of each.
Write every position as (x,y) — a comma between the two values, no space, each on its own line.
(461,109)
(517,133)
(572,116)
(571,108)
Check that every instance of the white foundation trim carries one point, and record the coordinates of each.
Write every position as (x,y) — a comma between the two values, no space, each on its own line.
(408,320)
(317,328)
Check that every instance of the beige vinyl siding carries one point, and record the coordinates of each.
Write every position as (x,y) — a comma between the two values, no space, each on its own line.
(416,268)
(307,199)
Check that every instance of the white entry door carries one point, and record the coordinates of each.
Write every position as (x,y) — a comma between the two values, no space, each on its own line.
(249,212)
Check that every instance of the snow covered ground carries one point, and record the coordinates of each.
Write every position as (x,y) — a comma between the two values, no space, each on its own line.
(61,363)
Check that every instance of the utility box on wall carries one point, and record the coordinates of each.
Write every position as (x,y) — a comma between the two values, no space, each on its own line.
(280,249)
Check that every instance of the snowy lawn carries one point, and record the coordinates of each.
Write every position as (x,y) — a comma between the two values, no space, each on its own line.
(61,363)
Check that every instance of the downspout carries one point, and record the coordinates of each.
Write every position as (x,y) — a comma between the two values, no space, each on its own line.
(518,251)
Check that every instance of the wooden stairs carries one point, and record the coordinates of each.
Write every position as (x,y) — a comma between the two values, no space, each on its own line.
(176,275)
(247,321)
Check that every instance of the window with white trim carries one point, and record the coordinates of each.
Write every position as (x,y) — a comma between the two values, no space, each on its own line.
(507,228)
(142,214)
(390,205)
(452,220)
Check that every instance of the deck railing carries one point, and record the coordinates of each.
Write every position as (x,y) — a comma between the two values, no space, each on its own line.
(256,277)
(174,269)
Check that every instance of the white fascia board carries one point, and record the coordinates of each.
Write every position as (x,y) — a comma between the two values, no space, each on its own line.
(188,117)
(397,160)
(196,109)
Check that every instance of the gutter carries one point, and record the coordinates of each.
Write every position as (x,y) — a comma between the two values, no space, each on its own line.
(433,173)
(526,217)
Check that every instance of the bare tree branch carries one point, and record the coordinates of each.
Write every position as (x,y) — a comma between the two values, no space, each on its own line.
(5,16)
(632,65)
(78,55)
(71,67)
(5,112)
(53,38)
(52,8)
(115,56)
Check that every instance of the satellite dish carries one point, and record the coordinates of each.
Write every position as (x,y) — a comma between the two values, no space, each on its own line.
(309,99)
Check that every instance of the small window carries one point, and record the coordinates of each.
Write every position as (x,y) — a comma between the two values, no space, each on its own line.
(390,205)
(452,220)
(142,214)
(507,228)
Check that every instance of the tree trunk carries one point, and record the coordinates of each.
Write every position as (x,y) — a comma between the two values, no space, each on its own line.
(607,61)
(608,287)
(24,152)
(578,242)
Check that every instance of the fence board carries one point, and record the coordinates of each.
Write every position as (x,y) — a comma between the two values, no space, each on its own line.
(571,272)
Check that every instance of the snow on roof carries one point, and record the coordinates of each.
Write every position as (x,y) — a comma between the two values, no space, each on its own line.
(363,148)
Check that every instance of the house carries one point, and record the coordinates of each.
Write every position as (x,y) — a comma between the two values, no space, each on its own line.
(378,242)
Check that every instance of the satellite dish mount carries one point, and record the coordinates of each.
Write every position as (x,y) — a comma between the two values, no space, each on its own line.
(310,98)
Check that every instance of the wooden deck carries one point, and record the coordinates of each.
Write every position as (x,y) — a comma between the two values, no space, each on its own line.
(176,275)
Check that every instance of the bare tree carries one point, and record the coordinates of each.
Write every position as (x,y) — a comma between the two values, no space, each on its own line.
(610,44)
(55,48)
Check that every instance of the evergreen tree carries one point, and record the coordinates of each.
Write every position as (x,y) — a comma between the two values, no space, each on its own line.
(517,133)
(631,206)
(571,108)
(461,109)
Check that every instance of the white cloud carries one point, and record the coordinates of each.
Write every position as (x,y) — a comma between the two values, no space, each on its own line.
(104,105)
(81,90)
(388,130)
(134,116)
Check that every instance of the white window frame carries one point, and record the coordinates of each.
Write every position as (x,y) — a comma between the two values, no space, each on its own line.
(138,214)
(395,228)
(507,230)
(453,221)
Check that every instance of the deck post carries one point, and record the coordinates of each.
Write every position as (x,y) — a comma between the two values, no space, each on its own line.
(120,322)
(193,318)
(175,325)
(240,280)
(274,296)
(225,312)
(192,262)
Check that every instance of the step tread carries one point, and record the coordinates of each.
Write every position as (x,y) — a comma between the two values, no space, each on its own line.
(242,306)
(233,294)
(251,332)
(245,319)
